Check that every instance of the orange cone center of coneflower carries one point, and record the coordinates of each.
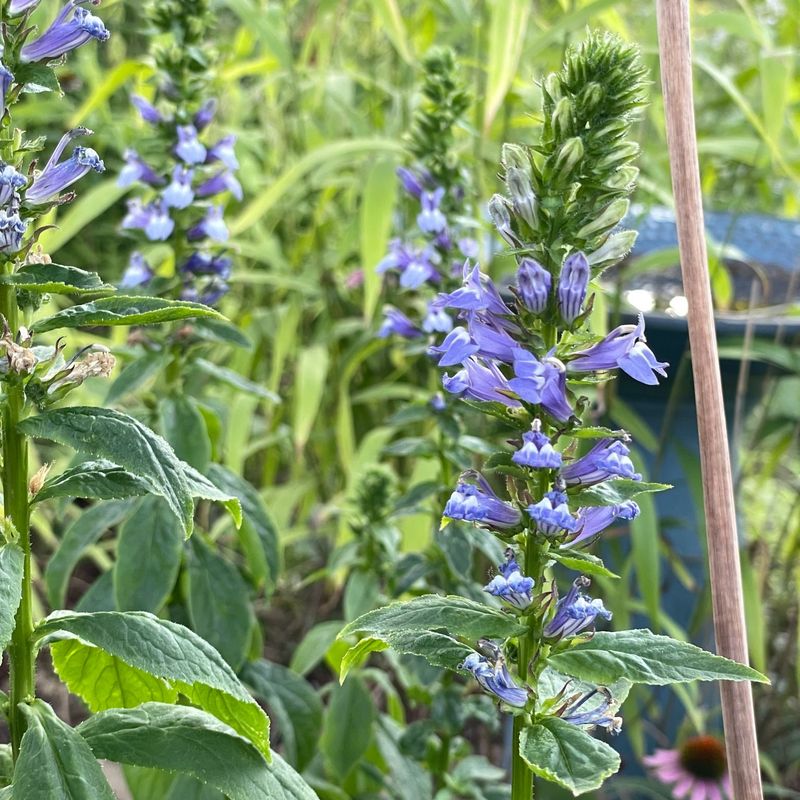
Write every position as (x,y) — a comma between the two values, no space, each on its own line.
(703,757)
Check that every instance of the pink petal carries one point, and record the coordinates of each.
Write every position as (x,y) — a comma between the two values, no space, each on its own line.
(660,757)
(672,774)
(699,790)
(683,787)
(713,791)
(726,785)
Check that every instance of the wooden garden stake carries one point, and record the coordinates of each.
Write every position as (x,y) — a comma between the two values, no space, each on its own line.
(723,549)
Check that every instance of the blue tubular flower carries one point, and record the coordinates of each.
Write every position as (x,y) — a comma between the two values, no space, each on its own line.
(16,7)
(10,182)
(511,585)
(396,322)
(415,266)
(534,283)
(492,341)
(498,211)
(223,151)
(625,348)
(202,263)
(213,292)
(221,182)
(437,319)
(73,27)
(147,111)
(575,612)
(601,716)
(536,451)
(136,169)
(137,273)
(480,504)
(12,229)
(153,219)
(478,293)
(552,516)
(55,177)
(530,376)
(179,194)
(573,282)
(594,520)
(410,181)
(479,381)
(554,394)
(6,79)
(468,248)
(204,117)
(609,458)
(495,679)
(212,226)
(431,219)
(456,348)
(189,148)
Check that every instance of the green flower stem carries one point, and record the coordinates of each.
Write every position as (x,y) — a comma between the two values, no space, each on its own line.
(15,488)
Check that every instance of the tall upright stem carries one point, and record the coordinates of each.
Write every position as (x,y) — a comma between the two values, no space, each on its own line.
(15,488)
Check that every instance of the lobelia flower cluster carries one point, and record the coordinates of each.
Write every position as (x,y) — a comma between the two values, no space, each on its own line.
(429,254)
(523,356)
(187,172)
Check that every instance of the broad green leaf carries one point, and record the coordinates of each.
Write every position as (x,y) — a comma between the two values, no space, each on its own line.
(552,686)
(581,562)
(507,27)
(55,762)
(185,429)
(56,279)
(457,615)
(201,487)
(348,726)
(645,549)
(37,78)
(104,433)
(134,375)
(219,602)
(147,784)
(104,681)
(565,754)
(361,593)
(614,491)
(258,532)
(171,652)
(437,649)
(100,594)
(102,480)
(294,706)
(149,550)
(6,765)
(235,380)
(309,386)
(83,533)
(12,562)
(314,646)
(122,310)
(187,740)
(377,206)
(643,657)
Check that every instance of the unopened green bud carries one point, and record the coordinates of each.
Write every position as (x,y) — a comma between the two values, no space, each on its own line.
(513,155)
(613,213)
(591,97)
(522,196)
(623,178)
(617,246)
(569,156)
(612,129)
(623,152)
(552,85)
(562,118)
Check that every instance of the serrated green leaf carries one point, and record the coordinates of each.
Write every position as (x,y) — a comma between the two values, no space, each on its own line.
(187,740)
(203,488)
(104,681)
(582,562)
(12,562)
(219,603)
(612,492)
(37,78)
(102,480)
(171,652)
(185,429)
(55,762)
(104,433)
(643,657)
(123,310)
(358,654)
(457,615)
(83,533)
(294,705)
(149,550)
(258,532)
(56,279)
(348,726)
(566,755)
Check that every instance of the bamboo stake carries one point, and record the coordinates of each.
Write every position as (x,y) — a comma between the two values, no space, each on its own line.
(723,548)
